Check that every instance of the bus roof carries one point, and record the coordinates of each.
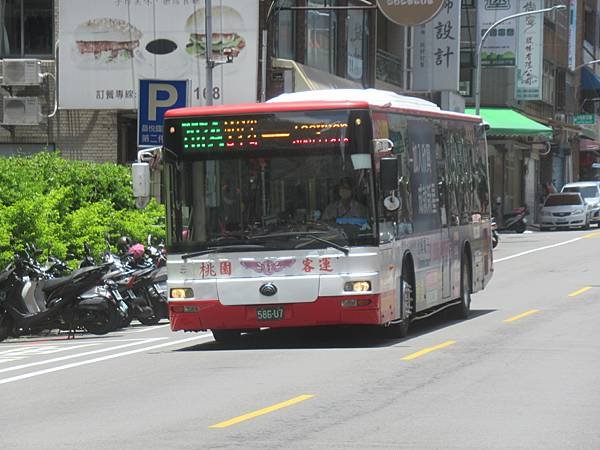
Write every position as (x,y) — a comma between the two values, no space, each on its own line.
(325,99)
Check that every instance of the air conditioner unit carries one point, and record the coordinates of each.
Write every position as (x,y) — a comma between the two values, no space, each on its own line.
(21,111)
(21,72)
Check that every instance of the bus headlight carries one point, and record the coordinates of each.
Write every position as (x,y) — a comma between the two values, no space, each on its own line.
(357,286)
(181,293)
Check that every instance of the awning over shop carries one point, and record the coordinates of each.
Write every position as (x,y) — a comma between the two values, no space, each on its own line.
(508,122)
(307,78)
(589,80)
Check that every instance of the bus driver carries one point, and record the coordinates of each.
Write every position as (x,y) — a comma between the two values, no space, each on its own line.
(346,206)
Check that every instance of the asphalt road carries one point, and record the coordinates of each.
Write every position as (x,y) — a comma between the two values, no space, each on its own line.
(522,372)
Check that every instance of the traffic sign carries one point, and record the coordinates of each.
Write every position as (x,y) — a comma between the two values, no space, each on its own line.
(155,98)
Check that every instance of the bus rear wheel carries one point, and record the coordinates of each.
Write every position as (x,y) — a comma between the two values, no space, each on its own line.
(462,310)
(226,336)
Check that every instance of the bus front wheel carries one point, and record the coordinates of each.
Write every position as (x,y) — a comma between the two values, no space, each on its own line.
(226,336)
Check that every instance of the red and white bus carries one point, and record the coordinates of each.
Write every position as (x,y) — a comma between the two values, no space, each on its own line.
(261,234)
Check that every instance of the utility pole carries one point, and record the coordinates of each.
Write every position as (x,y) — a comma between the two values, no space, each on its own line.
(210,64)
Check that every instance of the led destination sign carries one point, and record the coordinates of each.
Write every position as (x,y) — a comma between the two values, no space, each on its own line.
(272,131)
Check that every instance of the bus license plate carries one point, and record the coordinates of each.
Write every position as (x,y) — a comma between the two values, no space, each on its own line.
(270,313)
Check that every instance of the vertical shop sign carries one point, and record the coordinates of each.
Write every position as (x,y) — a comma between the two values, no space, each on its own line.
(572,46)
(437,45)
(530,45)
(499,46)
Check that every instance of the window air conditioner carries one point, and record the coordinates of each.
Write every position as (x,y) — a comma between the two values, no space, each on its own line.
(21,111)
(21,72)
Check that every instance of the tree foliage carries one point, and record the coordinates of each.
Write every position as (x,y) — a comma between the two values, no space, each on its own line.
(58,205)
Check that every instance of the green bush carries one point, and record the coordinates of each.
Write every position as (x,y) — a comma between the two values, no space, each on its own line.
(58,205)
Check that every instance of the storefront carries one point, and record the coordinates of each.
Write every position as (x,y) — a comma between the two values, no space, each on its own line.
(515,144)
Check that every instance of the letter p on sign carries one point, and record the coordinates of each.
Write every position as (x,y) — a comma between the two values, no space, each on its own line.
(158,99)
(155,98)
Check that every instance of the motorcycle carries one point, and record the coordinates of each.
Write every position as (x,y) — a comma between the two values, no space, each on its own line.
(140,283)
(57,302)
(516,220)
(495,237)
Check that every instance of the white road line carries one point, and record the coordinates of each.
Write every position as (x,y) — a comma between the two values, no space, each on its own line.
(102,358)
(150,328)
(79,355)
(537,250)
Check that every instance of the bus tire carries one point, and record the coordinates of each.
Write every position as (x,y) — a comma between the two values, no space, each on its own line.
(226,336)
(400,330)
(462,310)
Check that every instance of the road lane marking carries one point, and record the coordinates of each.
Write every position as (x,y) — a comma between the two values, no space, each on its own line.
(102,358)
(592,235)
(427,350)
(580,291)
(520,316)
(150,328)
(79,355)
(506,258)
(261,412)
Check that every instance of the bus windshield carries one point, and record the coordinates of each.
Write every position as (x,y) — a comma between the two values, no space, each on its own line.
(274,202)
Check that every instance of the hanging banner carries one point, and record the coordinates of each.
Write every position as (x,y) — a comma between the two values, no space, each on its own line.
(499,46)
(437,51)
(530,49)
(105,47)
(410,12)
(572,45)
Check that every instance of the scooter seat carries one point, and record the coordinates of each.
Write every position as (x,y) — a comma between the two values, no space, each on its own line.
(55,283)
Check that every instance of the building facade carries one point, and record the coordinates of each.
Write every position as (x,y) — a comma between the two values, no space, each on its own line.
(313,44)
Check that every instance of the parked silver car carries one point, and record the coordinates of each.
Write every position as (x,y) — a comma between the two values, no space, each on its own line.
(590,191)
(564,210)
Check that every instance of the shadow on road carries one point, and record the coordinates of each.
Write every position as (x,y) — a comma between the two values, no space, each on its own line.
(330,337)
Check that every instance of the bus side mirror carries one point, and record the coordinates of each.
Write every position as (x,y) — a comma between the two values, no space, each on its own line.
(140,176)
(389,183)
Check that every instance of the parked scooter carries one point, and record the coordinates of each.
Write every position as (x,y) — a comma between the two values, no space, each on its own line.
(495,237)
(58,301)
(515,220)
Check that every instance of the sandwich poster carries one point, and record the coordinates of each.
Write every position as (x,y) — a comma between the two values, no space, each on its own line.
(107,46)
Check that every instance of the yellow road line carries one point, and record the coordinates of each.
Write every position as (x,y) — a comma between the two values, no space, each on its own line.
(427,350)
(580,291)
(261,412)
(520,316)
(591,235)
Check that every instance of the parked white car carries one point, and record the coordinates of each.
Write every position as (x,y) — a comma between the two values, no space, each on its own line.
(564,210)
(590,191)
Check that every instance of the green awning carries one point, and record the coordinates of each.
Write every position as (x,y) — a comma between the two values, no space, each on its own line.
(508,122)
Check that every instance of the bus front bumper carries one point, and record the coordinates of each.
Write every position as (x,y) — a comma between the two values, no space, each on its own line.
(200,315)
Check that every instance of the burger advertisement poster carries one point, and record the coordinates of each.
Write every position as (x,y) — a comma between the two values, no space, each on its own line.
(107,46)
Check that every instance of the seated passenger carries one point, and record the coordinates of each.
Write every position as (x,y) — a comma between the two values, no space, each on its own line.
(346,205)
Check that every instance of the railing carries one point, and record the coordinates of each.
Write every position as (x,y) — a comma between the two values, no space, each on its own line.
(388,68)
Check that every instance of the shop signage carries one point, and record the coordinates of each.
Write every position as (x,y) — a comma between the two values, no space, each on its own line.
(105,47)
(499,46)
(530,46)
(410,12)
(572,45)
(437,47)
(584,119)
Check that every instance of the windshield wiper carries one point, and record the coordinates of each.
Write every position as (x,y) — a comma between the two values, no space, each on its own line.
(308,234)
(219,248)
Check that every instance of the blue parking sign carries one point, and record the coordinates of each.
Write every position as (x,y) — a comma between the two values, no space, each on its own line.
(155,98)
